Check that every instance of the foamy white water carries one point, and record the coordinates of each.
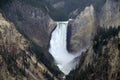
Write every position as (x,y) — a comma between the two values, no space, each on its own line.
(64,60)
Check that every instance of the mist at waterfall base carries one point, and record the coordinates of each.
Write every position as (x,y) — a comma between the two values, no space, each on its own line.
(64,60)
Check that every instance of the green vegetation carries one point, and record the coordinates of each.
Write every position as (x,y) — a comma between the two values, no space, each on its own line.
(12,66)
(83,75)
(103,36)
(100,66)
(10,54)
(42,56)
(46,59)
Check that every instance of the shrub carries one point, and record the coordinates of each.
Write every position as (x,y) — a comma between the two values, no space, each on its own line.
(102,36)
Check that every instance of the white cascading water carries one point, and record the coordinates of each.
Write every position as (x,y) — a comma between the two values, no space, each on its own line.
(64,60)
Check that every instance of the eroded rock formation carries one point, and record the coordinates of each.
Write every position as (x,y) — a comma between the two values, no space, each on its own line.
(82,29)
(31,20)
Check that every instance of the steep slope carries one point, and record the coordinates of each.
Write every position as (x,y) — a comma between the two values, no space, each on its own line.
(16,59)
(82,29)
(110,13)
(62,10)
(79,5)
(101,61)
(30,18)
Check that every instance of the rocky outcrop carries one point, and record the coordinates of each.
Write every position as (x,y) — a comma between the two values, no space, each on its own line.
(10,37)
(101,60)
(30,19)
(105,67)
(110,13)
(16,59)
(82,29)
(87,22)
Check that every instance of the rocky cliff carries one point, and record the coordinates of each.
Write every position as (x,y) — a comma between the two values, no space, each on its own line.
(16,60)
(82,29)
(110,13)
(84,26)
(30,19)
(101,60)
(65,9)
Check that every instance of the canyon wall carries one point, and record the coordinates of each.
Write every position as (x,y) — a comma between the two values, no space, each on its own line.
(16,59)
(82,29)
(110,13)
(30,19)
(88,21)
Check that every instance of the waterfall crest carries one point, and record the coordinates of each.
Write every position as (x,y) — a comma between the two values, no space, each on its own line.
(64,60)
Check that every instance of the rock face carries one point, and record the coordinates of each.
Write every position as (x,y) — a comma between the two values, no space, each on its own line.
(104,67)
(16,60)
(101,60)
(11,37)
(86,23)
(31,20)
(82,29)
(65,9)
(110,13)
(103,63)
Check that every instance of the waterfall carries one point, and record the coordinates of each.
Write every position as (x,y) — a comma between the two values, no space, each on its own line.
(64,60)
